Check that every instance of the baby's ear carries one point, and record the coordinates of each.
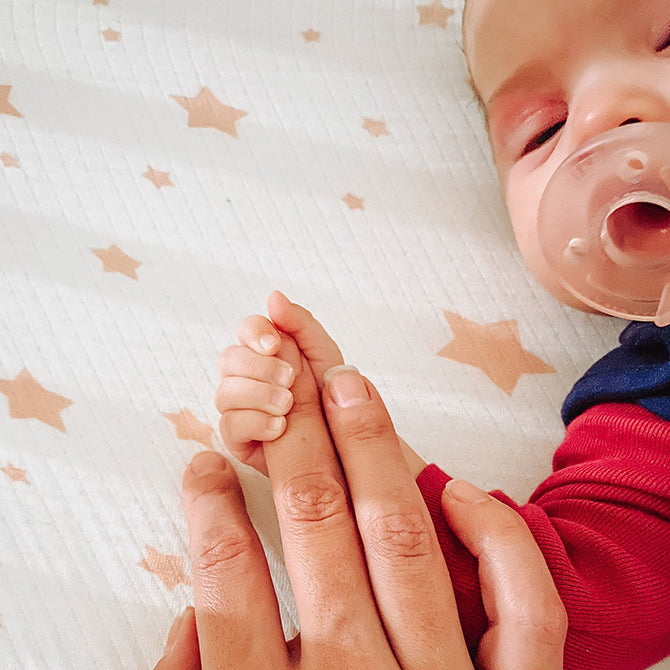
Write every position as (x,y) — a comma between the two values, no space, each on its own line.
(316,345)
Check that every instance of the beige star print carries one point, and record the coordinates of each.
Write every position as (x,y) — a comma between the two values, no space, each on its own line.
(311,35)
(15,474)
(189,428)
(436,14)
(375,128)
(167,567)
(114,260)
(5,106)
(206,111)
(494,348)
(157,178)
(8,160)
(353,202)
(111,35)
(28,399)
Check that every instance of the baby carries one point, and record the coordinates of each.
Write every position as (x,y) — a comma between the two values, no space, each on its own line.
(552,76)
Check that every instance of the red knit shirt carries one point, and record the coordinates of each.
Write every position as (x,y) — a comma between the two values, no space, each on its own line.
(602,521)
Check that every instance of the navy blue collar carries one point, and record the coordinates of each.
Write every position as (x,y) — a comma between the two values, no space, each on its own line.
(637,371)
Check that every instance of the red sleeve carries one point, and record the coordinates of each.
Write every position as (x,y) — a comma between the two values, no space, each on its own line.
(602,521)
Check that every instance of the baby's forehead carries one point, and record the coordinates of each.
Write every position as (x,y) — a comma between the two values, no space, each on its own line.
(501,36)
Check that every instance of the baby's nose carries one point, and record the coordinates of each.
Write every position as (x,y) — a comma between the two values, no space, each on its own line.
(606,102)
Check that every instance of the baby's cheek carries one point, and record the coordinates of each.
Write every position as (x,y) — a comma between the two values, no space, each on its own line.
(523,200)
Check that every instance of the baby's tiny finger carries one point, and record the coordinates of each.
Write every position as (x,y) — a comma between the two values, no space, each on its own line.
(260,334)
(243,393)
(248,425)
(241,361)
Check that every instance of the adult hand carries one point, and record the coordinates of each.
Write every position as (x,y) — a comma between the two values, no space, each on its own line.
(371,586)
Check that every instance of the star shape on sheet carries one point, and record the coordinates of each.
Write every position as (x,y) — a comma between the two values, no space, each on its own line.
(353,202)
(167,567)
(494,348)
(205,110)
(111,35)
(311,35)
(375,128)
(5,106)
(15,474)
(114,260)
(435,13)
(8,160)
(28,399)
(157,178)
(189,428)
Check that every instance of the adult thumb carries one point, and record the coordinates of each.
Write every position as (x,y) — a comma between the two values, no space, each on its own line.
(181,650)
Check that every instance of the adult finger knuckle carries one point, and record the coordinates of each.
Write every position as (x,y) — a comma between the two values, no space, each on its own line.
(546,625)
(400,535)
(222,548)
(365,429)
(306,409)
(506,527)
(315,498)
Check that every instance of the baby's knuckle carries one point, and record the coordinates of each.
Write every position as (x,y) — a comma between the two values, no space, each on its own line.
(400,535)
(255,367)
(315,498)
(228,354)
(221,548)
(228,388)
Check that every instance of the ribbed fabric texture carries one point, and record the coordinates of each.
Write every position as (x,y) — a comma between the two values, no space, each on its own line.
(602,521)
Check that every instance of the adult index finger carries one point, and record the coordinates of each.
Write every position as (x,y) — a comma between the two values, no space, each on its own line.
(325,563)
(408,572)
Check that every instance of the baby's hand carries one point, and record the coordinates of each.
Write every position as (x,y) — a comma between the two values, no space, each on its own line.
(253,396)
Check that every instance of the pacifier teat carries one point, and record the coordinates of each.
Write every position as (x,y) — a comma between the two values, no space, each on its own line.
(604,222)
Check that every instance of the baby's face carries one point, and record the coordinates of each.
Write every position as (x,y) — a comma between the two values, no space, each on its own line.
(552,74)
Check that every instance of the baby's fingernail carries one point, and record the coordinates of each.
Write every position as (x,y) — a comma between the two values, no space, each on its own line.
(274,423)
(464,491)
(283,375)
(281,399)
(174,631)
(346,386)
(206,461)
(268,342)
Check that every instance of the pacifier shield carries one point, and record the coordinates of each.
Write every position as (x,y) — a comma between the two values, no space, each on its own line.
(604,222)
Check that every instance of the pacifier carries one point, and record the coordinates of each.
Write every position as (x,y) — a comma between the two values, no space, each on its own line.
(604,222)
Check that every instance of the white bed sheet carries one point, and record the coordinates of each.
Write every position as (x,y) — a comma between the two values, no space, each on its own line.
(339,156)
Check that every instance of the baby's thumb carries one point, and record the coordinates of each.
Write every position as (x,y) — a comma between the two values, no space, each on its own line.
(316,345)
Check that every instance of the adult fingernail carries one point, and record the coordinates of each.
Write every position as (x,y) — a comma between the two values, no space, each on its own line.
(346,386)
(174,631)
(206,461)
(464,491)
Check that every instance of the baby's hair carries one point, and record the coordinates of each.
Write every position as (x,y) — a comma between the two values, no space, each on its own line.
(471,82)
